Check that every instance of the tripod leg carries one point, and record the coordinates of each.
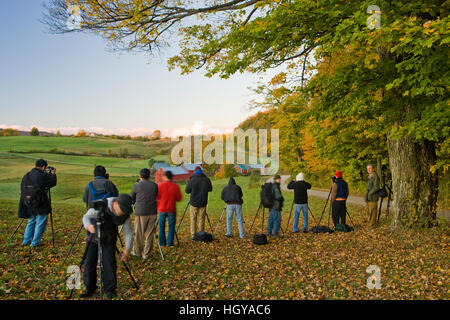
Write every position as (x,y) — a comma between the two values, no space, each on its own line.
(262,222)
(350,218)
(254,219)
(15,231)
(184,213)
(53,231)
(289,219)
(326,203)
(218,222)
(128,271)
(176,237)
(312,215)
(209,222)
(73,244)
(379,210)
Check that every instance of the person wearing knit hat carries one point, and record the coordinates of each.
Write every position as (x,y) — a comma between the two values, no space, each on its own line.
(300,187)
(339,195)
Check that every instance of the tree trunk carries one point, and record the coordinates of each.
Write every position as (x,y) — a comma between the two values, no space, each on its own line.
(415,187)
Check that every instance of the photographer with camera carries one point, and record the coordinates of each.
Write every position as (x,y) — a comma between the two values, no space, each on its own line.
(371,196)
(34,201)
(99,188)
(144,193)
(274,220)
(300,187)
(339,195)
(109,214)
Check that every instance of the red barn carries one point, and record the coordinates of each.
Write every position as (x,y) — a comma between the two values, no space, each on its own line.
(179,174)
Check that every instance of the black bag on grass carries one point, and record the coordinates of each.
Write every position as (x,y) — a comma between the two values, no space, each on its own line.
(321,229)
(260,239)
(203,236)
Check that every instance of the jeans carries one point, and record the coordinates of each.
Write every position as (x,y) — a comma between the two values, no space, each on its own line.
(35,230)
(297,208)
(237,208)
(171,217)
(274,222)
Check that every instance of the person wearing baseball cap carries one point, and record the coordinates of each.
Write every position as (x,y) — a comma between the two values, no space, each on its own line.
(339,195)
(116,212)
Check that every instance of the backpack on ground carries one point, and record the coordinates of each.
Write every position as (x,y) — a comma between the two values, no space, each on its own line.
(343,228)
(33,196)
(203,236)
(98,194)
(260,239)
(267,199)
(321,229)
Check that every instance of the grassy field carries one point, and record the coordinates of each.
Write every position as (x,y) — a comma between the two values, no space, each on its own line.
(414,264)
(83,145)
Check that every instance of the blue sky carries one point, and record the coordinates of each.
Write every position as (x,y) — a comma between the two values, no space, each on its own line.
(71,81)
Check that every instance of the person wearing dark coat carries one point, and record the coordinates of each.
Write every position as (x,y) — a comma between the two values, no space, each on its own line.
(198,187)
(102,184)
(274,220)
(232,195)
(37,216)
(300,187)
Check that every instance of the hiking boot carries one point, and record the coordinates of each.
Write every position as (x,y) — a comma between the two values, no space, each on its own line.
(305,230)
(86,294)
(229,236)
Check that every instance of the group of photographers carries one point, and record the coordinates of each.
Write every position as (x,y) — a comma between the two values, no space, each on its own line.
(154,204)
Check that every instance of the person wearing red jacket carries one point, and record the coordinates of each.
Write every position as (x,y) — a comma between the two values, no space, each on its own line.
(168,195)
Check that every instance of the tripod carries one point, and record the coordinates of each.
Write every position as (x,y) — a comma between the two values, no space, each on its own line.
(256,216)
(329,213)
(51,221)
(220,219)
(388,202)
(290,214)
(100,259)
(184,213)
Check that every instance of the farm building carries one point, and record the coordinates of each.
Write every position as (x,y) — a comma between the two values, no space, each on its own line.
(245,169)
(180,173)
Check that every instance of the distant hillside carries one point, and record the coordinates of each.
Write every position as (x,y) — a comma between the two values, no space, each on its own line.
(27,133)
(95,146)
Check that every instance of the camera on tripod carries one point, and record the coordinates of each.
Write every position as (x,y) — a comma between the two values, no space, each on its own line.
(49,170)
(334,178)
(100,208)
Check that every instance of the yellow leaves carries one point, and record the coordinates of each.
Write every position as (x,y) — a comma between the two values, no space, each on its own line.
(427,24)
(247,288)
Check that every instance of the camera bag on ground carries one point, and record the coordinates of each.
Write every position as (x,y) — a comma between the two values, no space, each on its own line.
(267,199)
(260,239)
(203,236)
(343,228)
(32,194)
(321,229)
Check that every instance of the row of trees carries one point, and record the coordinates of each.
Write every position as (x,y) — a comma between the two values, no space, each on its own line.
(362,92)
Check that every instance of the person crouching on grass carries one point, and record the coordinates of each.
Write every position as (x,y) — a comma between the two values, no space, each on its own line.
(117,212)
(168,195)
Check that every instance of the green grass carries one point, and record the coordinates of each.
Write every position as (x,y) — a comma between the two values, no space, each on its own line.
(83,145)
(300,266)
